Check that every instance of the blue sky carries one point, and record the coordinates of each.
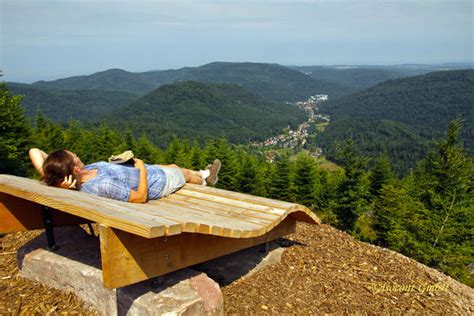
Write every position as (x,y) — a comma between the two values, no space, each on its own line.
(44,40)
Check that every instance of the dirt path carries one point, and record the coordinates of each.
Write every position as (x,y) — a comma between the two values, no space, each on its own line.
(323,270)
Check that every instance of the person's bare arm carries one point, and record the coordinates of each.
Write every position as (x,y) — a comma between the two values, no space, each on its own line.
(140,196)
(38,157)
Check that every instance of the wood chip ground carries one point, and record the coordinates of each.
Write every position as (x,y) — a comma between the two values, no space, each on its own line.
(322,271)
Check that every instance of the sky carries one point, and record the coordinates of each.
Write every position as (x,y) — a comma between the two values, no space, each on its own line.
(46,39)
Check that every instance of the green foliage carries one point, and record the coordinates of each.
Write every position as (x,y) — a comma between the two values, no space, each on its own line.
(65,105)
(402,117)
(271,81)
(304,180)
(15,134)
(360,77)
(194,110)
(352,192)
(222,150)
(381,175)
(280,187)
(429,215)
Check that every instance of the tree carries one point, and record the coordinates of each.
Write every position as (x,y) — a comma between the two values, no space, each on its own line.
(381,174)
(352,192)
(281,186)
(304,180)
(247,177)
(446,177)
(15,134)
(48,136)
(228,175)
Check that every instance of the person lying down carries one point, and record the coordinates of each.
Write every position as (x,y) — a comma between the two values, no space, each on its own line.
(136,184)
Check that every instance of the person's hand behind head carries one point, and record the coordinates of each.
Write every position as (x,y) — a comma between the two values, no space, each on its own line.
(68,183)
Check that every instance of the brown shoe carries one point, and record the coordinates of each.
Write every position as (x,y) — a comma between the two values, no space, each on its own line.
(214,170)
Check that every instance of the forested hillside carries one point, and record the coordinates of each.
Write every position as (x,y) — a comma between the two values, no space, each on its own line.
(364,76)
(419,110)
(66,105)
(271,81)
(359,77)
(197,110)
(112,79)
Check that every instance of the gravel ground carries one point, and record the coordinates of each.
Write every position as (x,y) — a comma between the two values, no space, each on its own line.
(322,271)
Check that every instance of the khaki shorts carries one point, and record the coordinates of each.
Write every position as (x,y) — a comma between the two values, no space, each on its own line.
(174,180)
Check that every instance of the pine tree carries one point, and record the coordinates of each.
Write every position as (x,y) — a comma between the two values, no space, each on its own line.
(73,137)
(173,150)
(304,180)
(247,177)
(281,187)
(381,174)
(107,142)
(48,136)
(15,134)
(146,151)
(196,157)
(228,175)
(352,193)
(445,179)
(445,182)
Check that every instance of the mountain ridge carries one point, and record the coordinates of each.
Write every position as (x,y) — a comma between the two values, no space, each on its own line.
(271,81)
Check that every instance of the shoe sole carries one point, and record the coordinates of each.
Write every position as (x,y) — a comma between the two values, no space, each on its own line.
(214,170)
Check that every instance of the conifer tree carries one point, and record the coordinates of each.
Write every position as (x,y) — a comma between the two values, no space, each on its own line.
(304,180)
(228,175)
(281,186)
(247,177)
(146,151)
(73,137)
(352,192)
(196,157)
(49,136)
(107,142)
(445,181)
(173,150)
(381,174)
(15,134)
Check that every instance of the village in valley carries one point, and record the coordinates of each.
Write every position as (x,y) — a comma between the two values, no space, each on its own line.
(291,139)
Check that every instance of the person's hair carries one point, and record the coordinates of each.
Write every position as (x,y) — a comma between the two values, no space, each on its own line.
(56,166)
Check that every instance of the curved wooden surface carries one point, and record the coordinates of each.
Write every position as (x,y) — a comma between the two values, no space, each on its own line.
(192,209)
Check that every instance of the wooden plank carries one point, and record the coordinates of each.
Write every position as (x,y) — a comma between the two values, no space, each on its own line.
(230,227)
(239,196)
(304,213)
(231,202)
(17,214)
(113,213)
(222,212)
(228,208)
(127,258)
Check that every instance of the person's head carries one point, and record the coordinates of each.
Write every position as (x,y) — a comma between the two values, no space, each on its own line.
(61,164)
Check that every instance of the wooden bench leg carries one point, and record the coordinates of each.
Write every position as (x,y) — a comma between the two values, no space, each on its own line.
(48,226)
(128,258)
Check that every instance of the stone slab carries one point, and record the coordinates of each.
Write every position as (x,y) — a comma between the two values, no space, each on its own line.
(75,267)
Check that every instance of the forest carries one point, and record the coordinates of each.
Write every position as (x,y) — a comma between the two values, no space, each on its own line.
(427,215)
(402,117)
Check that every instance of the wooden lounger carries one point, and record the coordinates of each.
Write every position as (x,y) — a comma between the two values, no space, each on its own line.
(141,241)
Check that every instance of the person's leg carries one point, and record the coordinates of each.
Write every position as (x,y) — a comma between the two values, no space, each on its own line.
(206,177)
(190,176)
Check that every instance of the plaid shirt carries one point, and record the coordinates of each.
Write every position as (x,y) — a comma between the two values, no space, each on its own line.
(115,181)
